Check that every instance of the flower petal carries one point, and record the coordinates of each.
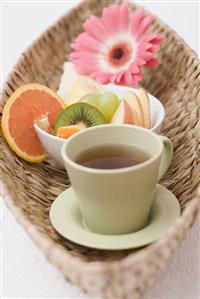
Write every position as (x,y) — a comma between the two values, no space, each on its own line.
(140,22)
(128,78)
(113,13)
(102,77)
(153,62)
(109,20)
(140,61)
(85,68)
(94,26)
(136,71)
(136,19)
(152,38)
(147,47)
(86,41)
(154,48)
(134,68)
(144,46)
(130,82)
(85,54)
(146,55)
(146,22)
(123,17)
(80,60)
(138,76)
(118,77)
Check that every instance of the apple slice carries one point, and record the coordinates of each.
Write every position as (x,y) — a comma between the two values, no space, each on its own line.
(44,124)
(68,78)
(82,86)
(135,116)
(135,104)
(144,100)
(123,114)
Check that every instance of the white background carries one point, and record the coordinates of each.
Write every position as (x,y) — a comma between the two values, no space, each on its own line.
(26,274)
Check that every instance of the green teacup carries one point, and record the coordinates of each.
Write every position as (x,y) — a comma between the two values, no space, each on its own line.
(116,201)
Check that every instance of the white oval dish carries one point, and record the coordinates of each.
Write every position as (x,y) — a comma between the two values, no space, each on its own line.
(53,144)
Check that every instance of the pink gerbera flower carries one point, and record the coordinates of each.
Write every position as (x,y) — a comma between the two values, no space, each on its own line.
(113,48)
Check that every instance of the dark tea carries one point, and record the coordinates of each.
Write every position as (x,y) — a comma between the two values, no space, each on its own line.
(107,156)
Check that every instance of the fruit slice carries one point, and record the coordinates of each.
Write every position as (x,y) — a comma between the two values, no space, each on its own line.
(144,100)
(68,78)
(81,114)
(65,132)
(44,124)
(82,86)
(135,117)
(26,105)
(135,103)
(107,103)
(123,115)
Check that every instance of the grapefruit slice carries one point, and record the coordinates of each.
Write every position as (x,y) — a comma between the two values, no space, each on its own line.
(28,104)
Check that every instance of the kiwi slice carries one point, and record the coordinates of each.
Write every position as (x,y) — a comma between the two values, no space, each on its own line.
(79,113)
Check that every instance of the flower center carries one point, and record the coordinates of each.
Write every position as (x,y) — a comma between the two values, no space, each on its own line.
(119,54)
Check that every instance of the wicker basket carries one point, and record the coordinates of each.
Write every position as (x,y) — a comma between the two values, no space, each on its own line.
(32,188)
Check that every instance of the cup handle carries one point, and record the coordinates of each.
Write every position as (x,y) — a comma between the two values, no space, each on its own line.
(166,155)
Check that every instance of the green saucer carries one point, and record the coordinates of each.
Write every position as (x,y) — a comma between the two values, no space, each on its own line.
(66,218)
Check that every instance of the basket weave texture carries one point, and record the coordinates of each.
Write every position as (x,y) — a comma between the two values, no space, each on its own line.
(31,188)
